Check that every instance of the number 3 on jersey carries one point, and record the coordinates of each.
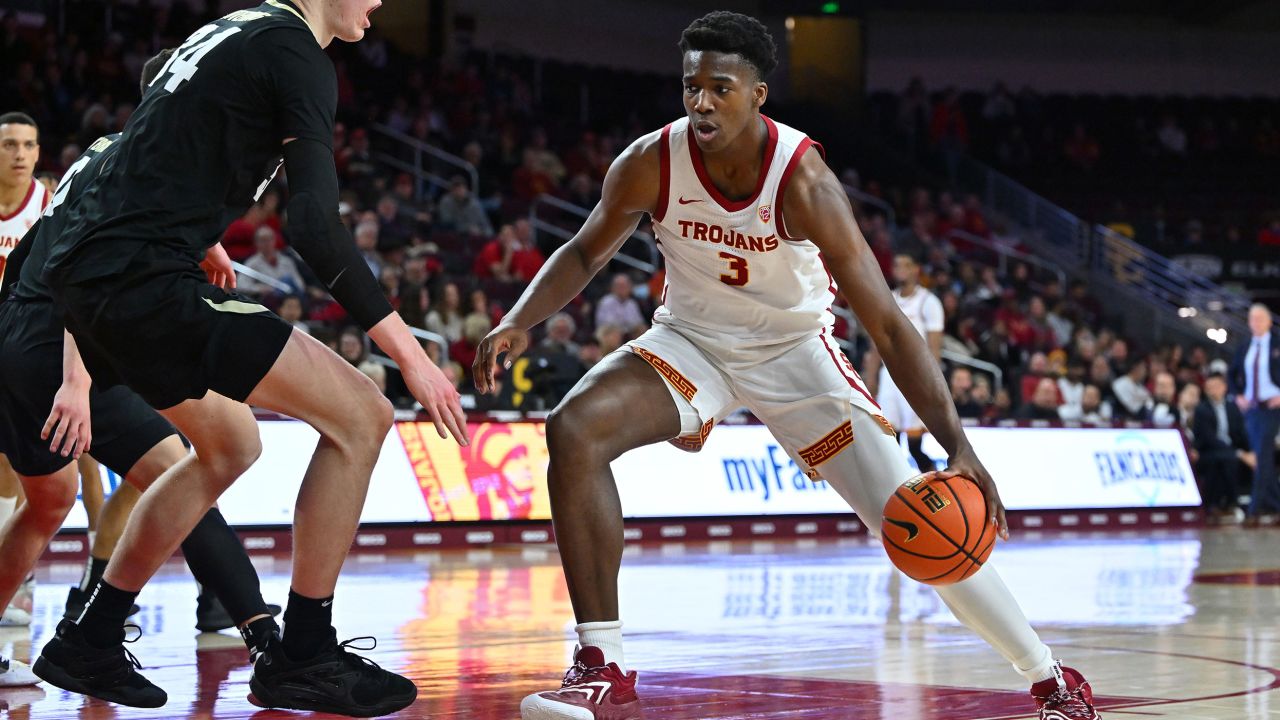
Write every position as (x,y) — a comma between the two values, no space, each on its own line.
(183,64)
(739,274)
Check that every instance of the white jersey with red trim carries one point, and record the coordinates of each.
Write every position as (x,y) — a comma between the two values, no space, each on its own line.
(732,270)
(16,224)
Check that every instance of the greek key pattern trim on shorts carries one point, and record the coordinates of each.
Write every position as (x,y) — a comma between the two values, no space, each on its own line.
(829,446)
(694,443)
(885,425)
(673,376)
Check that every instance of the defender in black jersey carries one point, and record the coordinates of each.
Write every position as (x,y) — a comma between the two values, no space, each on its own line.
(45,392)
(205,140)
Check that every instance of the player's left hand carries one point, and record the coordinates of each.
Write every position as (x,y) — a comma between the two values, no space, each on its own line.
(217,266)
(69,422)
(966,463)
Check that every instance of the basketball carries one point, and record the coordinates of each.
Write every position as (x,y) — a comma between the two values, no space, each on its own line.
(936,530)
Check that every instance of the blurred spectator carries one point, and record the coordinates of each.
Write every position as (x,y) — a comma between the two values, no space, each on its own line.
(1164,401)
(1219,438)
(1270,234)
(1044,402)
(238,238)
(1092,410)
(1173,139)
(272,263)
(394,231)
(367,243)
(560,331)
(1081,149)
(474,328)
(620,308)
(530,180)
(461,212)
(590,354)
(1188,400)
(445,317)
(608,338)
(505,258)
(353,347)
(962,393)
(1254,378)
(291,311)
(1071,385)
(375,372)
(1131,392)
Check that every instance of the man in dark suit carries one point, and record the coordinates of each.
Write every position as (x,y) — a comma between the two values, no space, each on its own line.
(1219,437)
(1255,381)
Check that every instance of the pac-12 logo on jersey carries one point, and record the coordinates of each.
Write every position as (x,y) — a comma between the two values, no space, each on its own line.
(766,212)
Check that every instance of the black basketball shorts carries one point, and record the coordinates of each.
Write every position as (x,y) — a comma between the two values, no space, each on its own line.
(166,333)
(124,427)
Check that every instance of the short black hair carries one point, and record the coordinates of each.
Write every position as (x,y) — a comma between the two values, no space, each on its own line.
(20,118)
(153,67)
(730,32)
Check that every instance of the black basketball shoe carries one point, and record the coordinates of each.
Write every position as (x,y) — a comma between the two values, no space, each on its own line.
(335,681)
(110,674)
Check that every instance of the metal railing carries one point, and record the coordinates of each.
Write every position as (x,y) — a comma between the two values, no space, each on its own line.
(1189,303)
(273,283)
(420,172)
(541,224)
(997,375)
(891,218)
(1005,252)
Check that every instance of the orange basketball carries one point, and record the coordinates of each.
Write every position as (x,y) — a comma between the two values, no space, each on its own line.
(936,531)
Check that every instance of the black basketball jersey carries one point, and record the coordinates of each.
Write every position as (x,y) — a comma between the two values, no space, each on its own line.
(29,281)
(203,144)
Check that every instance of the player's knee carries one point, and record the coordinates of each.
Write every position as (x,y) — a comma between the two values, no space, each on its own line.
(237,457)
(365,425)
(565,430)
(51,501)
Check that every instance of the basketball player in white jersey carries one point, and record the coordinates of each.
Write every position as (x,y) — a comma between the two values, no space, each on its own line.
(924,310)
(750,219)
(22,199)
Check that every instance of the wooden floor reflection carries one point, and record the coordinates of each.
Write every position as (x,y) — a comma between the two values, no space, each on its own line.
(1165,625)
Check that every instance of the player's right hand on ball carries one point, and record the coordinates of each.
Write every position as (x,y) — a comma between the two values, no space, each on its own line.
(503,339)
(439,399)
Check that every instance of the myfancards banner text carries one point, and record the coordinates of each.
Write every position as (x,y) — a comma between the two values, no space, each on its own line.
(741,470)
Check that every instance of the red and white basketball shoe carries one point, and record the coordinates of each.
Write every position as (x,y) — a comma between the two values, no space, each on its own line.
(1065,696)
(591,690)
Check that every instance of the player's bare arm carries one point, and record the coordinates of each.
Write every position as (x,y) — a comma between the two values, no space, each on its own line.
(630,191)
(69,423)
(816,207)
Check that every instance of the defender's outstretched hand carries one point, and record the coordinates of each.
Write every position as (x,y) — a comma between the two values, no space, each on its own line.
(503,339)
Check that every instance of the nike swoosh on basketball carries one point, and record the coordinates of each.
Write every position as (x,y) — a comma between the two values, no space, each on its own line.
(912,530)
(683,201)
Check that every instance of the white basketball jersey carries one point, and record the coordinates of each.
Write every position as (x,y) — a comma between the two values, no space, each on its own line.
(14,226)
(732,270)
(923,309)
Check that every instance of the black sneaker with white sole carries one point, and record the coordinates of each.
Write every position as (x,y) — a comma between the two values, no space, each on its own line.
(335,681)
(111,674)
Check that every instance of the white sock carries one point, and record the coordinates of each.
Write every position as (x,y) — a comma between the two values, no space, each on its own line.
(605,635)
(7,507)
(93,537)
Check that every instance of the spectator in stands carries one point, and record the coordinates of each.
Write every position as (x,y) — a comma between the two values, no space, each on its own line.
(1219,437)
(375,372)
(269,261)
(1037,370)
(546,161)
(560,331)
(589,354)
(446,316)
(1164,401)
(238,238)
(1131,392)
(1081,150)
(1071,385)
(394,231)
(609,338)
(480,306)
(1173,139)
(962,393)
(357,161)
(474,328)
(999,106)
(620,308)
(980,395)
(1188,400)
(367,243)
(352,346)
(1269,236)
(918,239)
(530,180)
(1255,381)
(291,311)
(459,211)
(1044,402)
(948,129)
(506,259)
(1092,409)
